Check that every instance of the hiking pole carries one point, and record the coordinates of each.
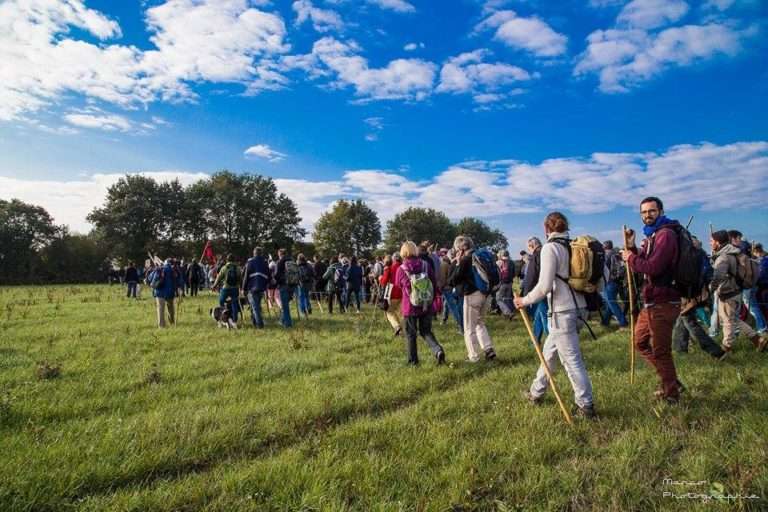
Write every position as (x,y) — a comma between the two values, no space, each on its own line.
(631,289)
(543,361)
(689,222)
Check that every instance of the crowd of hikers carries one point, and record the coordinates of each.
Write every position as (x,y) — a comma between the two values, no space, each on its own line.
(668,287)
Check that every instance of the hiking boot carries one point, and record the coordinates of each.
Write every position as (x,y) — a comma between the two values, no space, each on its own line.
(490,354)
(528,397)
(659,393)
(440,356)
(586,412)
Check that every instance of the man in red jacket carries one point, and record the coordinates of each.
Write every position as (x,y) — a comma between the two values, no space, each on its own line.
(656,259)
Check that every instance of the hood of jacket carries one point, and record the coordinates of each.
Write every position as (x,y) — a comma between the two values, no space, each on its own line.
(415,265)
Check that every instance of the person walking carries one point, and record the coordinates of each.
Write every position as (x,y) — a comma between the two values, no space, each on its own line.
(229,279)
(568,312)
(163,283)
(656,259)
(287,279)
(255,281)
(416,279)
(353,278)
(393,293)
(196,278)
(540,310)
(615,273)
(476,302)
(331,288)
(131,279)
(728,291)
(306,282)
(504,293)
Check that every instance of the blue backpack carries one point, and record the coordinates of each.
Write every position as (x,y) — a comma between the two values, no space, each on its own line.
(485,272)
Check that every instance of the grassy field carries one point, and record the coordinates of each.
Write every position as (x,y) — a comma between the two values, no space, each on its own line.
(327,416)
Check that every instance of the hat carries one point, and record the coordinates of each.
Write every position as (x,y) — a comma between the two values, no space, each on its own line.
(721,236)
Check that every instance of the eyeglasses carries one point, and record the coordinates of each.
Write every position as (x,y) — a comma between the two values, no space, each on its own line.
(648,212)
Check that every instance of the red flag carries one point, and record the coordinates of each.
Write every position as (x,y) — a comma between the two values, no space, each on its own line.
(208,253)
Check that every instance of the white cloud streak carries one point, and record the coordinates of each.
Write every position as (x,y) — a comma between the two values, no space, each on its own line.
(530,34)
(265,152)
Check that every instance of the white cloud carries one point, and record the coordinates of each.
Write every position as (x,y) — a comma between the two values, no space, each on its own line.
(107,122)
(394,5)
(625,58)
(531,34)
(411,47)
(649,14)
(709,176)
(265,152)
(195,40)
(487,82)
(400,79)
(323,20)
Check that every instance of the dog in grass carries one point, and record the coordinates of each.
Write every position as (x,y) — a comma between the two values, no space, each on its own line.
(223,317)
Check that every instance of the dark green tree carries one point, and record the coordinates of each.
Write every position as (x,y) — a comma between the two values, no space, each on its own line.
(349,227)
(419,225)
(25,229)
(481,233)
(240,211)
(131,220)
(74,258)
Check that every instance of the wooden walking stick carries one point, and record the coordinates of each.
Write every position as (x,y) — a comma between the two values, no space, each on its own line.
(527,322)
(631,289)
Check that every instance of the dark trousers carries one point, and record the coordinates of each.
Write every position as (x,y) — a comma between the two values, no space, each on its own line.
(419,325)
(687,327)
(653,339)
(348,298)
(194,287)
(339,299)
(132,289)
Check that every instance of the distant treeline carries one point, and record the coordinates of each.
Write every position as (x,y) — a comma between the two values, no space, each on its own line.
(236,212)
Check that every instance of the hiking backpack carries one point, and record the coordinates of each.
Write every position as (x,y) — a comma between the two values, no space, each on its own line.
(158,279)
(586,258)
(747,271)
(485,272)
(305,274)
(616,269)
(292,275)
(687,275)
(231,277)
(422,292)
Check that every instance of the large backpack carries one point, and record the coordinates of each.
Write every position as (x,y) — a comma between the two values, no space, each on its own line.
(688,275)
(616,269)
(158,279)
(292,275)
(485,272)
(305,274)
(747,271)
(422,292)
(586,262)
(231,277)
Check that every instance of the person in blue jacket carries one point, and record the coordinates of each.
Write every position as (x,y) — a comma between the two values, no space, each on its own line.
(255,281)
(163,281)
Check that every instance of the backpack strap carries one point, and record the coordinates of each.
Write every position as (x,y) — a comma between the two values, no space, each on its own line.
(565,242)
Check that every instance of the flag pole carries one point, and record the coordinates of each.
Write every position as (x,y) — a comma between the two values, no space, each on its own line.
(631,288)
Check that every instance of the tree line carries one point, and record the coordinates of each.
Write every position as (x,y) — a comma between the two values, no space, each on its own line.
(234,211)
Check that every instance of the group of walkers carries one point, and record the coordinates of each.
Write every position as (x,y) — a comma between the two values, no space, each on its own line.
(561,281)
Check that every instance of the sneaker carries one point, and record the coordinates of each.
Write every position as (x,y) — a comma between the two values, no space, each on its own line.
(490,354)
(587,412)
(527,396)
(440,357)
(659,393)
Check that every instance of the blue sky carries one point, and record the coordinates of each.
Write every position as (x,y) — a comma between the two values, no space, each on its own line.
(498,109)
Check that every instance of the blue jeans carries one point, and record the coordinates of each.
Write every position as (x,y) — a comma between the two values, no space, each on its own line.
(304,304)
(612,308)
(750,299)
(234,294)
(455,304)
(254,298)
(285,306)
(539,312)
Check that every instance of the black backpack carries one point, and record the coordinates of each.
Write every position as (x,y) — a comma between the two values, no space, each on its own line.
(688,275)
(231,279)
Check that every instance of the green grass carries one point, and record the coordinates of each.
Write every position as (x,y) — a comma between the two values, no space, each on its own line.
(327,416)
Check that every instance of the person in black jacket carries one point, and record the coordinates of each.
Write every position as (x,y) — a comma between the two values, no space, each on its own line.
(131,279)
(255,280)
(475,302)
(195,277)
(539,310)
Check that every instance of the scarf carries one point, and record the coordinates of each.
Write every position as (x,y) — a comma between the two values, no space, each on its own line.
(660,221)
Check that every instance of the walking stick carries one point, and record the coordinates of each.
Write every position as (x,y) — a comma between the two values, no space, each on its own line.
(631,287)
(319,303)
(527,322)
(689,222)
